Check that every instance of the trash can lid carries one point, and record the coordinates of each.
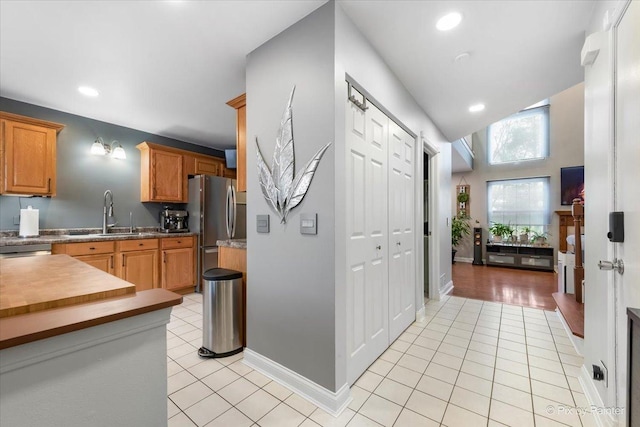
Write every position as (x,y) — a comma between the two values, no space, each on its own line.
(221,274)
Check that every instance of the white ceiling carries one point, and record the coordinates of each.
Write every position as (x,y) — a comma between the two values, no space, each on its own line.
(168,67)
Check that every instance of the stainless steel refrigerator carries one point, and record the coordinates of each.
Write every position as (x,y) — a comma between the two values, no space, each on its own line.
(214,214)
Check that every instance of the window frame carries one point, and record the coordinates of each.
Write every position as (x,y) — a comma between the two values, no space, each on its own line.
(541,108)
(546,210)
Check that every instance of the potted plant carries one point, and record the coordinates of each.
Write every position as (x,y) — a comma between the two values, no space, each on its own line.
(524,234)
(540,238)
(500,231)
(463,197)
(459,228)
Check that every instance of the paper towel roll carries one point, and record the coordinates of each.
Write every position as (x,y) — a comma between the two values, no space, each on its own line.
(29,222)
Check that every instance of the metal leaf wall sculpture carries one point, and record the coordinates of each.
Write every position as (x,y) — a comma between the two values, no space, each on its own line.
(282,189)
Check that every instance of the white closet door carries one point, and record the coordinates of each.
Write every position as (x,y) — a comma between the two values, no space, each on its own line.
(401,231)
(367,237)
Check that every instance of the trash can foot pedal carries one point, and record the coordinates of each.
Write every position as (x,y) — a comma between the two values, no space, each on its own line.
(205,352)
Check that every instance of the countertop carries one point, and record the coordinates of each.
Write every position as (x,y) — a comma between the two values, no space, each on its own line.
(45,296)
(30,284)
(233,243)
(84,235)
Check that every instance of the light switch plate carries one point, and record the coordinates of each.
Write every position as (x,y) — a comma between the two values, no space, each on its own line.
(308,223)
(262,223)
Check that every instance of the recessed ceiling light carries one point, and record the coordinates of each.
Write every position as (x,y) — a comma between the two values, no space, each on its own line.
(476,108)
(449,21)
(88,91)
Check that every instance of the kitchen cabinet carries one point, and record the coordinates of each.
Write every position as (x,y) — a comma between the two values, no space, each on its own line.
(167,262)
(178,262)
(162,177)
(28,155)
(164,172)
(100,255)
(240,104)
(138,262)
(208,166)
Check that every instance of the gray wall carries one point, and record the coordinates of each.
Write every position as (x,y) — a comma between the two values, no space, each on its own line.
(82,178)
(296,305)
(566,148)
(290,296)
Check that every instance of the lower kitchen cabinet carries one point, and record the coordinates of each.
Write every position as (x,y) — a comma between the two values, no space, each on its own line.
(140,268)
(138,262)
(100,255)
(168,262)
(104,262)
(178,262)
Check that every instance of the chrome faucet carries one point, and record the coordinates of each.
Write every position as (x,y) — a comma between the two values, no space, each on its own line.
(107,212)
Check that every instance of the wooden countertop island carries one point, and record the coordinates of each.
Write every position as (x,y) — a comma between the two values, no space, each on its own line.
(79,346)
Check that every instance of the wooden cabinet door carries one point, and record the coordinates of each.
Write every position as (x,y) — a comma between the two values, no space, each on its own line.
(240,104)
(167,179)
(178,266)
(29,159)
(208,166)
(104,262)
(140,268)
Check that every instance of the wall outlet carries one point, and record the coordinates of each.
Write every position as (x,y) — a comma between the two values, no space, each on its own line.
(600,373)
(16,220)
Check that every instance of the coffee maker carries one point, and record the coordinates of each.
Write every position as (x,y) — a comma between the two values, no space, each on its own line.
(174,221)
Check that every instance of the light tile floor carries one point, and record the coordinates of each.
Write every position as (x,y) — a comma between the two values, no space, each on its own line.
(467,363)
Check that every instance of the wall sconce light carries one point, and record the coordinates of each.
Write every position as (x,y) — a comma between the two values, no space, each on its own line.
(99,148)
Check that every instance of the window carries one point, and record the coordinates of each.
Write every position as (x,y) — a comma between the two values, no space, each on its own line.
(522,136)
(519,202)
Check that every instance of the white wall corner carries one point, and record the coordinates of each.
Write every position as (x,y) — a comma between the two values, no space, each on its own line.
(446,289)
(329,401)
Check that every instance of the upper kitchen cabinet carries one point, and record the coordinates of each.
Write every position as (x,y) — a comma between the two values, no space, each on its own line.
(163,178)
(240,104)
(28,155)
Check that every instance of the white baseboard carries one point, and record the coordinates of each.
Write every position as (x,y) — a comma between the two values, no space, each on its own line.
(446,289)
(329,401)
(593,397)
(462,259)
(420,313)
(578,343)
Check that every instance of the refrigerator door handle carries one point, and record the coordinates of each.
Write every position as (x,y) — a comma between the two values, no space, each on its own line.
(233,211)
(227,212)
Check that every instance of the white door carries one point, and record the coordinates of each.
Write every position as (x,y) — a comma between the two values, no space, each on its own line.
(401,231)
(367,250)
(627,177)
(612,153)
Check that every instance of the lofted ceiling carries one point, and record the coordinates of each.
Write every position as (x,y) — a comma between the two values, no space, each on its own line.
(168,67)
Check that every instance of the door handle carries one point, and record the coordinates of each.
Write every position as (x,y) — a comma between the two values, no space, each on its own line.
(378,247)
(616,265)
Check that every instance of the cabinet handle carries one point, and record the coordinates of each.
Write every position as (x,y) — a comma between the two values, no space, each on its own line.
(179,241)
(164,257)
(92,248)
(49,185)
(111,261)
(123,257)
(140,244)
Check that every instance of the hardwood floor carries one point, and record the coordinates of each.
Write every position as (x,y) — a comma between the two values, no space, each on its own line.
(526,288)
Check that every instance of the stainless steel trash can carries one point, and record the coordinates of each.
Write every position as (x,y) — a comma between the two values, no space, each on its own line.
(222,314)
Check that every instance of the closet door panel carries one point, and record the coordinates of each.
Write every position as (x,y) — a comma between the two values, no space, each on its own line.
(366,183)
(402,264)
